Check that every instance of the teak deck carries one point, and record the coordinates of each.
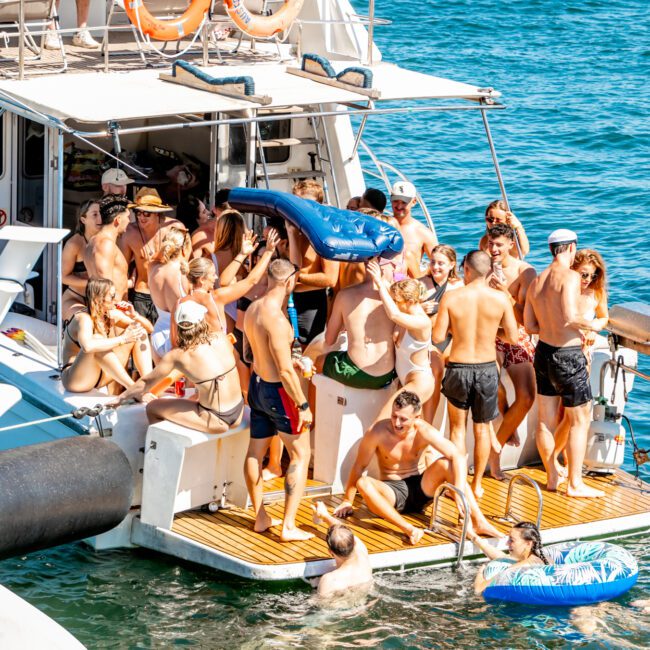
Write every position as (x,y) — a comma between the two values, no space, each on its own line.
(231,531)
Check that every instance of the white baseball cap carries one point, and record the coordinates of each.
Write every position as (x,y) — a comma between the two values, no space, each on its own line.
(403,191)
(189,313)
(115,176)
(562,236)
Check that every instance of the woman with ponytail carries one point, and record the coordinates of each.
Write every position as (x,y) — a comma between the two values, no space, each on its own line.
(167,284)
(524,546)
(403,304)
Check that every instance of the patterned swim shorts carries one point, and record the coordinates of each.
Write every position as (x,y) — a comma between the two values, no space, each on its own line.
(522,352)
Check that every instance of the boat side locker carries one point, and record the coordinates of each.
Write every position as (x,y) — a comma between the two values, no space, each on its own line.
(343,415)
(185,469)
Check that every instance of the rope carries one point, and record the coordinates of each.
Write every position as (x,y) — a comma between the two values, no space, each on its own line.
(77,414)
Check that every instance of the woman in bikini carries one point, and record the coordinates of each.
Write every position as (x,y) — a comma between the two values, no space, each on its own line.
(73,269)
(592,303)
(98,342)
(206,358)
(167,285)
(402,303)
(442,277)
(498,212)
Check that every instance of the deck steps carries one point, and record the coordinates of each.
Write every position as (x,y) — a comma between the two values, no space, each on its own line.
(231,531)
(287,142)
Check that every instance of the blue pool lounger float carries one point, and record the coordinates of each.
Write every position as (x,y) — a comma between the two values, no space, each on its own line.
(335,234)
(579,573)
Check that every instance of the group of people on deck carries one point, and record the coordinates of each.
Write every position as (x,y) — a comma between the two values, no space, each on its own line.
(150,296)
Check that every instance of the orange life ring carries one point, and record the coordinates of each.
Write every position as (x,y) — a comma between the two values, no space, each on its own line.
(263,26)
(166,30)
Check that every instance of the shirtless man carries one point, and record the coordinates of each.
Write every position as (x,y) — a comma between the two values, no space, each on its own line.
(473,314)
(369,361)
(141,244)
(276,400)
(513,279)
(353,570)
(418,239)
(560,365)
(398,444)
(115,181)
(498,212)
(102,256)
(316,274)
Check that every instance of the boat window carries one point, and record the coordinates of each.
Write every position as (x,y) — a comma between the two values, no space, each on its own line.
(268,131)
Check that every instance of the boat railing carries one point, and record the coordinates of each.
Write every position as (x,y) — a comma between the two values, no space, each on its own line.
(509,516)
(381,172)
(438,528)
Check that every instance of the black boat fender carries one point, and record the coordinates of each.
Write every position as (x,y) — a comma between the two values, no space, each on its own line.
(57,492)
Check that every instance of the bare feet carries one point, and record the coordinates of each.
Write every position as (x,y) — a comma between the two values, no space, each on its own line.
(294,535)
(415,535)
(495,467)
(484,527)
(269,473)
(584,492)
(264,521)
(553,481)
(477,488)
(562,470)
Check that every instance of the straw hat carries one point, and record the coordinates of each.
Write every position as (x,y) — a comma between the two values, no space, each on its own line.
(148,200)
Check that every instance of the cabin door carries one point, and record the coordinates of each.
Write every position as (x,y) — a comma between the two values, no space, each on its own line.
(36,202)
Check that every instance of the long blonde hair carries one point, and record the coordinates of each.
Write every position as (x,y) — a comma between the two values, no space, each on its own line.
(599,282)
(229,231)
(197,269)
(173,246)
(96,292)
(408,290)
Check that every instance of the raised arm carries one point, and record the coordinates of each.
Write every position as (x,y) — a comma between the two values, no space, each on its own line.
(248,246)
(520,233)
(328,277)
(89,342)
(365,453)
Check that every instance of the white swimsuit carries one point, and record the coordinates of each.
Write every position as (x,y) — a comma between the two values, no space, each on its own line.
(160,337)
(404,352)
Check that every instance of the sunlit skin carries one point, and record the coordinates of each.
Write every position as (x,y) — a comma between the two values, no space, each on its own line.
(92,220)
(587,273)
(518,548)
(441,267)
(203,215)
(110,188)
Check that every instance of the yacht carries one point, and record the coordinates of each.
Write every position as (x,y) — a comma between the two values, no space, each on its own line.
(230,108)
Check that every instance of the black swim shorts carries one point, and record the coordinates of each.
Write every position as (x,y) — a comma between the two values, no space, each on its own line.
(272,410)
(311,307)
(475,386)
(143,305)
(409,496)
(562,372)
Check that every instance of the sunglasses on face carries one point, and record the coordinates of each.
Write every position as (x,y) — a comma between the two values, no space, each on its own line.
(588,276)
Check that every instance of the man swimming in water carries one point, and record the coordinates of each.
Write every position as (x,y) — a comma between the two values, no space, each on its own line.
(473,314)
(512,276)
(560,365)
(398,444)
(353,570)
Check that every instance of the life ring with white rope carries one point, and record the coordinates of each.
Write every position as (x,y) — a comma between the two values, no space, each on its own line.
(167,30)
(263,26)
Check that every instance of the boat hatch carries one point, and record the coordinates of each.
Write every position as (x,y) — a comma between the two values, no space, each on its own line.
(141,94)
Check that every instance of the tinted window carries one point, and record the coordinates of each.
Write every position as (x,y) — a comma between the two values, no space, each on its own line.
(268,131)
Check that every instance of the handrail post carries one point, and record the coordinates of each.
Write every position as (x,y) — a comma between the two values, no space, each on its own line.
(522,478)
(435,528)
(21,43)
(371,29)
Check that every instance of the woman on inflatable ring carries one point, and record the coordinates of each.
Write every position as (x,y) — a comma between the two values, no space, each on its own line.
(525,549)
(565,574)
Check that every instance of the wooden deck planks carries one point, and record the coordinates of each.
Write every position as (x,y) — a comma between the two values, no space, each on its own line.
(231,531)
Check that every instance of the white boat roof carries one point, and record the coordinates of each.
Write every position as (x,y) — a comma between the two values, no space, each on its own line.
(99,97)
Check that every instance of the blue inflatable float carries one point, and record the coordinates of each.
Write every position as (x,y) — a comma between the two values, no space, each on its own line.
(579,573)
(335,234)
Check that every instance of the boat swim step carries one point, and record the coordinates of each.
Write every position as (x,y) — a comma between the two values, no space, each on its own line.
(311,491)
(287,142)
(301,173)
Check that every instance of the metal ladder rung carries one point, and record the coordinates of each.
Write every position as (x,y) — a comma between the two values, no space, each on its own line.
(435,527)
(288,142)
(508,517)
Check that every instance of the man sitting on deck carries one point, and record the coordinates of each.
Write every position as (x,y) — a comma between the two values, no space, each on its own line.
(398,444)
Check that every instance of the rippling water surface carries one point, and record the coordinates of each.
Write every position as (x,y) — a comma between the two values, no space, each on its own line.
(574,146)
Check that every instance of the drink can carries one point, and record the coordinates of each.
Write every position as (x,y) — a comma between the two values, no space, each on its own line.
(179,387)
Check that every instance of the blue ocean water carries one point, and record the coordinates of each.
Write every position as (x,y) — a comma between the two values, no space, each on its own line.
(574,145)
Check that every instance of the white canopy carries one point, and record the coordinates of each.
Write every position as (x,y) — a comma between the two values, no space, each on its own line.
(97,97)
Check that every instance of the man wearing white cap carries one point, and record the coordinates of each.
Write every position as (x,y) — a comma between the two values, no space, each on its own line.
(417,237)
(115,181)
(560,366)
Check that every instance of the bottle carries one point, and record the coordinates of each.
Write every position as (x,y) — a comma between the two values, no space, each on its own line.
(296,347)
